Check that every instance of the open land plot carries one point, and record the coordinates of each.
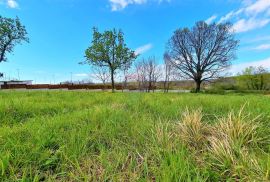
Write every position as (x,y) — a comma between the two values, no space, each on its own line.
(85,136)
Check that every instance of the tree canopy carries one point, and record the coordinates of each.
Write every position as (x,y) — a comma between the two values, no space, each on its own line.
(12,32)
(108,49)
(202,52)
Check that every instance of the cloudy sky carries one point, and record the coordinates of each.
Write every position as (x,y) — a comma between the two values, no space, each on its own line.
(60,31)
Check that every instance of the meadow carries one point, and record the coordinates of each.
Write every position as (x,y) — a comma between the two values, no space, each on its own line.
(86,136)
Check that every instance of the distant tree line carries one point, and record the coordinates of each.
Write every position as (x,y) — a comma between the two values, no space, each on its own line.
(251,78)
(254,78)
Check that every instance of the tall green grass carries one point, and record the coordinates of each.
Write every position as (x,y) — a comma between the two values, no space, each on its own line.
(84,136)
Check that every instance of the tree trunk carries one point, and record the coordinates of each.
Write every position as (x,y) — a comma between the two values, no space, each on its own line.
(261,82)
(104,85)
(168,87)
(165,85)
(112,79)
(198,86)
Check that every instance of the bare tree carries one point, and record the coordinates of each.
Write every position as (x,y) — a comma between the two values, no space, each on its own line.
(168,69)
(150,67)
(101,73)
(148,72)
(202,52)
(157,74)
(126,75)
(141,75)
(153,73)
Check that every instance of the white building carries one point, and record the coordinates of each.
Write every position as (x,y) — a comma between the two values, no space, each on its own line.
(16,82)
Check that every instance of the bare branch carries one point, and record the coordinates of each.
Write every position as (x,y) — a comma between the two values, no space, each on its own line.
(202,52)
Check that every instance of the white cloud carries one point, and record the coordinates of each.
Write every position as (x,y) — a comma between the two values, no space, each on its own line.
(253,15)
(239,67)
(211,19)
(143,49)
(244,25)
(259,6)
(230,15)
(117,5)
(12,4)
(262,47)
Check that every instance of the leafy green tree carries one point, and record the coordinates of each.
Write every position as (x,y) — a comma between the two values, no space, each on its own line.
(108,49)
(254,78)
(12,32)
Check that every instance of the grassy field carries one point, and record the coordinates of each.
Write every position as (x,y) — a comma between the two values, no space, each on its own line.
(83,136)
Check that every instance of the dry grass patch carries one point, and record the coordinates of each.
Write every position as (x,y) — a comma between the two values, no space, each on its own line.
(230,148)
(192,130)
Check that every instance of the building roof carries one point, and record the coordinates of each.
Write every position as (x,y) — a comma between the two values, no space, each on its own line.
(16,80)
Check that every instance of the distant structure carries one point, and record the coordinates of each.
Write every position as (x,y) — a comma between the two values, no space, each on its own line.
(82,82)
(15,82)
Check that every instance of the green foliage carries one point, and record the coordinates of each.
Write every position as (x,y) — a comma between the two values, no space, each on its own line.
(226,83)
(12,32)
(254,78)
(108,49)
(85,136)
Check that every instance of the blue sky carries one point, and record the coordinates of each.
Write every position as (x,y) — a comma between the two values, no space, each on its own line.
(60,31)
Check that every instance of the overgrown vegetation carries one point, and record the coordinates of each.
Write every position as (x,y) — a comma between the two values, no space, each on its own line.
(84,136)
(250,79)
(229,148)
(254,78)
